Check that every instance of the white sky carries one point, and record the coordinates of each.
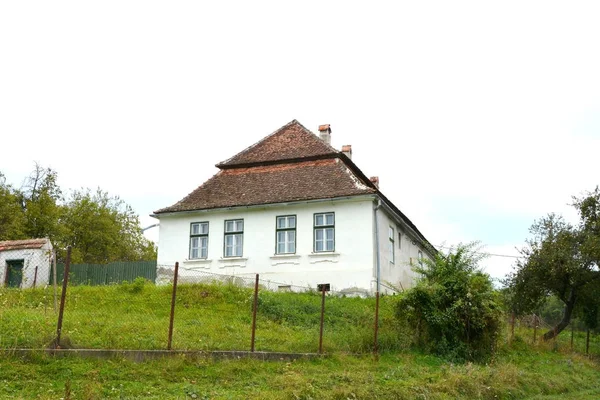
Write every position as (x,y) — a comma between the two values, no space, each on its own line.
(478,117)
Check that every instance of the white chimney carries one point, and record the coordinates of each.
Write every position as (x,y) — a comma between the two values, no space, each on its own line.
(347,150)
(325,133)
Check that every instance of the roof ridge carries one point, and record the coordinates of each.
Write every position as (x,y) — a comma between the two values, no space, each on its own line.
(259,141)
(312,141)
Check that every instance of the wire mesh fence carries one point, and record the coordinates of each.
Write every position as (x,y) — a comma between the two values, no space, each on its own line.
(575,337)
(192,309)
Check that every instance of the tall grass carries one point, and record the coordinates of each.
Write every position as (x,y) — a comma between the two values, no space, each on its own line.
(209,317)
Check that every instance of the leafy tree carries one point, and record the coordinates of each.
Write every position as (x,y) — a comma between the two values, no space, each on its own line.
(40,198)
(11,215)
(560,260)
(453,307)
(103,228)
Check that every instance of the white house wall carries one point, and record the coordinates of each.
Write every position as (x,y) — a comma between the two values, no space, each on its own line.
(398,273)
(32,258)
(349,266)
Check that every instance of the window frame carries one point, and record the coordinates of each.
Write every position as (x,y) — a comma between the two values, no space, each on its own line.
(278,229)
(420,258)
(198,235)
(323,227)
(392,245)
(234,234)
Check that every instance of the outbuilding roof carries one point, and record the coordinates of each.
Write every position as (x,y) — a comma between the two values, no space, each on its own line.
(23,244)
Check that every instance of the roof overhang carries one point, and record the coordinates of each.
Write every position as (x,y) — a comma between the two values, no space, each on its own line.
(356,198)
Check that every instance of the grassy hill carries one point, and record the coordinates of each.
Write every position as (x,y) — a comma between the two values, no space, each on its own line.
(218,317)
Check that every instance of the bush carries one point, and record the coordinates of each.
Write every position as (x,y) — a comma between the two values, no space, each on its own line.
(453,309)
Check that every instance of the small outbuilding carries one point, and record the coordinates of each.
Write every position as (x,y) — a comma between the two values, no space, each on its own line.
(25,263)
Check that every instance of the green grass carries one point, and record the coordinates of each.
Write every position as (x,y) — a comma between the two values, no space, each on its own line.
(218,317)
(521,374)
(207,317)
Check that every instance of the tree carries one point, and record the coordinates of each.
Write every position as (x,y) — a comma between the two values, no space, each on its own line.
(560,260)
(453,307)
(40,198)
(11,215)
(103,228)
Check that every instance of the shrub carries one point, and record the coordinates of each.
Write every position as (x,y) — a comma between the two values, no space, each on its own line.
(453,309)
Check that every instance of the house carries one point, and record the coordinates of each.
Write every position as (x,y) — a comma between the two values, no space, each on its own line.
(298,212)
(25,263)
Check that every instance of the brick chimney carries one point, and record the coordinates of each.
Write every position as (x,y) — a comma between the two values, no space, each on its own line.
(347,150)
(325,133)
(375,181)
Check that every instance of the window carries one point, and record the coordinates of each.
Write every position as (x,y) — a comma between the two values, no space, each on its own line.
(391,235)
(324,232)
(420,258)
(286,234)
(234,237)
(399,240)
(198,240)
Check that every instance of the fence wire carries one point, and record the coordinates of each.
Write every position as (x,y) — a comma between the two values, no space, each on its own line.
(130,308)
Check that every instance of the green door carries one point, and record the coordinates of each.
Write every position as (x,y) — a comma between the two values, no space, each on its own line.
(14,271)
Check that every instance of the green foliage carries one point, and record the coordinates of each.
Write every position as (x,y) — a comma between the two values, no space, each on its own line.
(137,286)
(561,260)
(40,198)
(101,228)
(453,308)
(12,220)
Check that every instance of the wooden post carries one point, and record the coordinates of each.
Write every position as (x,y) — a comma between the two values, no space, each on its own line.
(587,342)
(63,298)
(35,276)
(512,326)
(572,332)
(55,279)
(376,342)
(322,319)
(173,298)
(535,325)
(254,314)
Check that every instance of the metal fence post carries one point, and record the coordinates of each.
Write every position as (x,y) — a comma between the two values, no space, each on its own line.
(535,325)
(254,314)
(512,326)
(572,333)
(35,276)
(62,298)
(54,277)
(376,344)
(173,298)
(322,319)
(587,342)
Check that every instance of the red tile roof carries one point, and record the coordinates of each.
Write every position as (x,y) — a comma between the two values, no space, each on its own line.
(290,142)
(23,244)
(291,164)
(281,183)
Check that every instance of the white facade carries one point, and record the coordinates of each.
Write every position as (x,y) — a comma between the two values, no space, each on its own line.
(351,267)
(36,265)
(398,257)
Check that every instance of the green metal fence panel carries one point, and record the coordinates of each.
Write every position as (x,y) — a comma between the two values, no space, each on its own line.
(105,274)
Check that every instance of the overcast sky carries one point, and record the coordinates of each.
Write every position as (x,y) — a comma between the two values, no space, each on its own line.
(478,117)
